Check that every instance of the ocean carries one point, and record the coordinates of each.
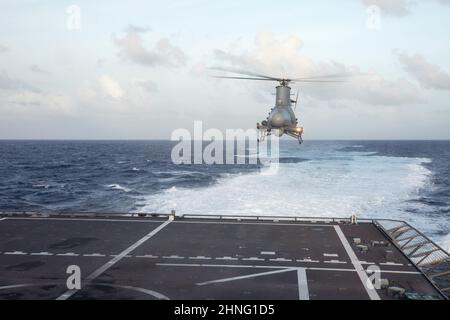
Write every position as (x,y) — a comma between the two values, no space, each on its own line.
(406,180)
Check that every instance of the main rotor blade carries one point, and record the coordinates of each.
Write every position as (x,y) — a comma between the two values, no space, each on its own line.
(242,78)
(336,75)
(324,81)
(244,72)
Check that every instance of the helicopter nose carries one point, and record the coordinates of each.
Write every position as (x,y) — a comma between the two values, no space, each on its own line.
(277,120)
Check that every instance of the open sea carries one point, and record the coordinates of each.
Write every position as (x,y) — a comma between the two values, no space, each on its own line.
(406,180)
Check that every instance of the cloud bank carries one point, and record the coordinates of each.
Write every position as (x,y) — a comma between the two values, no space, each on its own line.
(163,53)
(285,58)
(430,76)
(397,8)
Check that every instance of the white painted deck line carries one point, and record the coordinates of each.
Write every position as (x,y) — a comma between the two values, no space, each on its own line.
(335,261)
(254,275)
(247,266)
(261,223)
(82,219)
(307,260)
(330,255)
(281,260)
(253,259)
(200,258)
(116,259)
(15,253)
(44,253)
(373,295)
(269,267)
(303,291)
(173,257)
(390,264)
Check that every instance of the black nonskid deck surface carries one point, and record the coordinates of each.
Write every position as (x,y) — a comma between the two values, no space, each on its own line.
(156,258)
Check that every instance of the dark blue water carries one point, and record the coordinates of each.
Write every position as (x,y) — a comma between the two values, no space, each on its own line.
(95,176)
(396,179)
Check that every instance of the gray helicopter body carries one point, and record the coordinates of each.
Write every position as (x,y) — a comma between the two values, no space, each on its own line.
(281,119)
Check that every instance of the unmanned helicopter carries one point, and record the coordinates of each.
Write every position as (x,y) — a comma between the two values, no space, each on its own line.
(281,119)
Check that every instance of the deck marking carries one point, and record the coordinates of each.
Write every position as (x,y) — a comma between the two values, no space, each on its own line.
(44,253)
(253,259)
(116,259)
(268,252)
(254,275)
(142,290)
(226,258)
(335,261)
(15,253)
(330,255)
(1,219)
(155,294)
(281,260)
(200,258)
(359,268)
(307,260)
(400,272)
(147,256)
(247,266)
(256,223)
(94,255)
(303,292)
(365,262)
(269,267)
(390,264)
(68,254)
(172,257)
(84,219)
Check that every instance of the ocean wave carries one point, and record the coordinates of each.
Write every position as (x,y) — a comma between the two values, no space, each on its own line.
(45,186)
(118,187)
(446,243)
(370,186)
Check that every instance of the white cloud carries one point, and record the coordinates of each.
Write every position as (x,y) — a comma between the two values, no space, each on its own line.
(163,52)
(8,83)
(430,76)
(36,69)
(285,58)
(110,87)
(398,8)
(36,102)
(3,48)
(147,85)
(391,7)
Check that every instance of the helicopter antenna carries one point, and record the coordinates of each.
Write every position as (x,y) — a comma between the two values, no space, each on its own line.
(296,100)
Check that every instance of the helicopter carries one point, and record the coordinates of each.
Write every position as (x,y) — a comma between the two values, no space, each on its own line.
(281,119)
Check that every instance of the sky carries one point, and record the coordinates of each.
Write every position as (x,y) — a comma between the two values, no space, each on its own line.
(140,69)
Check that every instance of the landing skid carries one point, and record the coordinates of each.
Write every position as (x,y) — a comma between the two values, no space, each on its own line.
(264,131)
(296,135)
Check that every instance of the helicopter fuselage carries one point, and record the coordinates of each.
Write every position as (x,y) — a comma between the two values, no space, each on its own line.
(281,119)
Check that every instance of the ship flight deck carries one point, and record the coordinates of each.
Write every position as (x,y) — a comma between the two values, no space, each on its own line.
(200,257)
